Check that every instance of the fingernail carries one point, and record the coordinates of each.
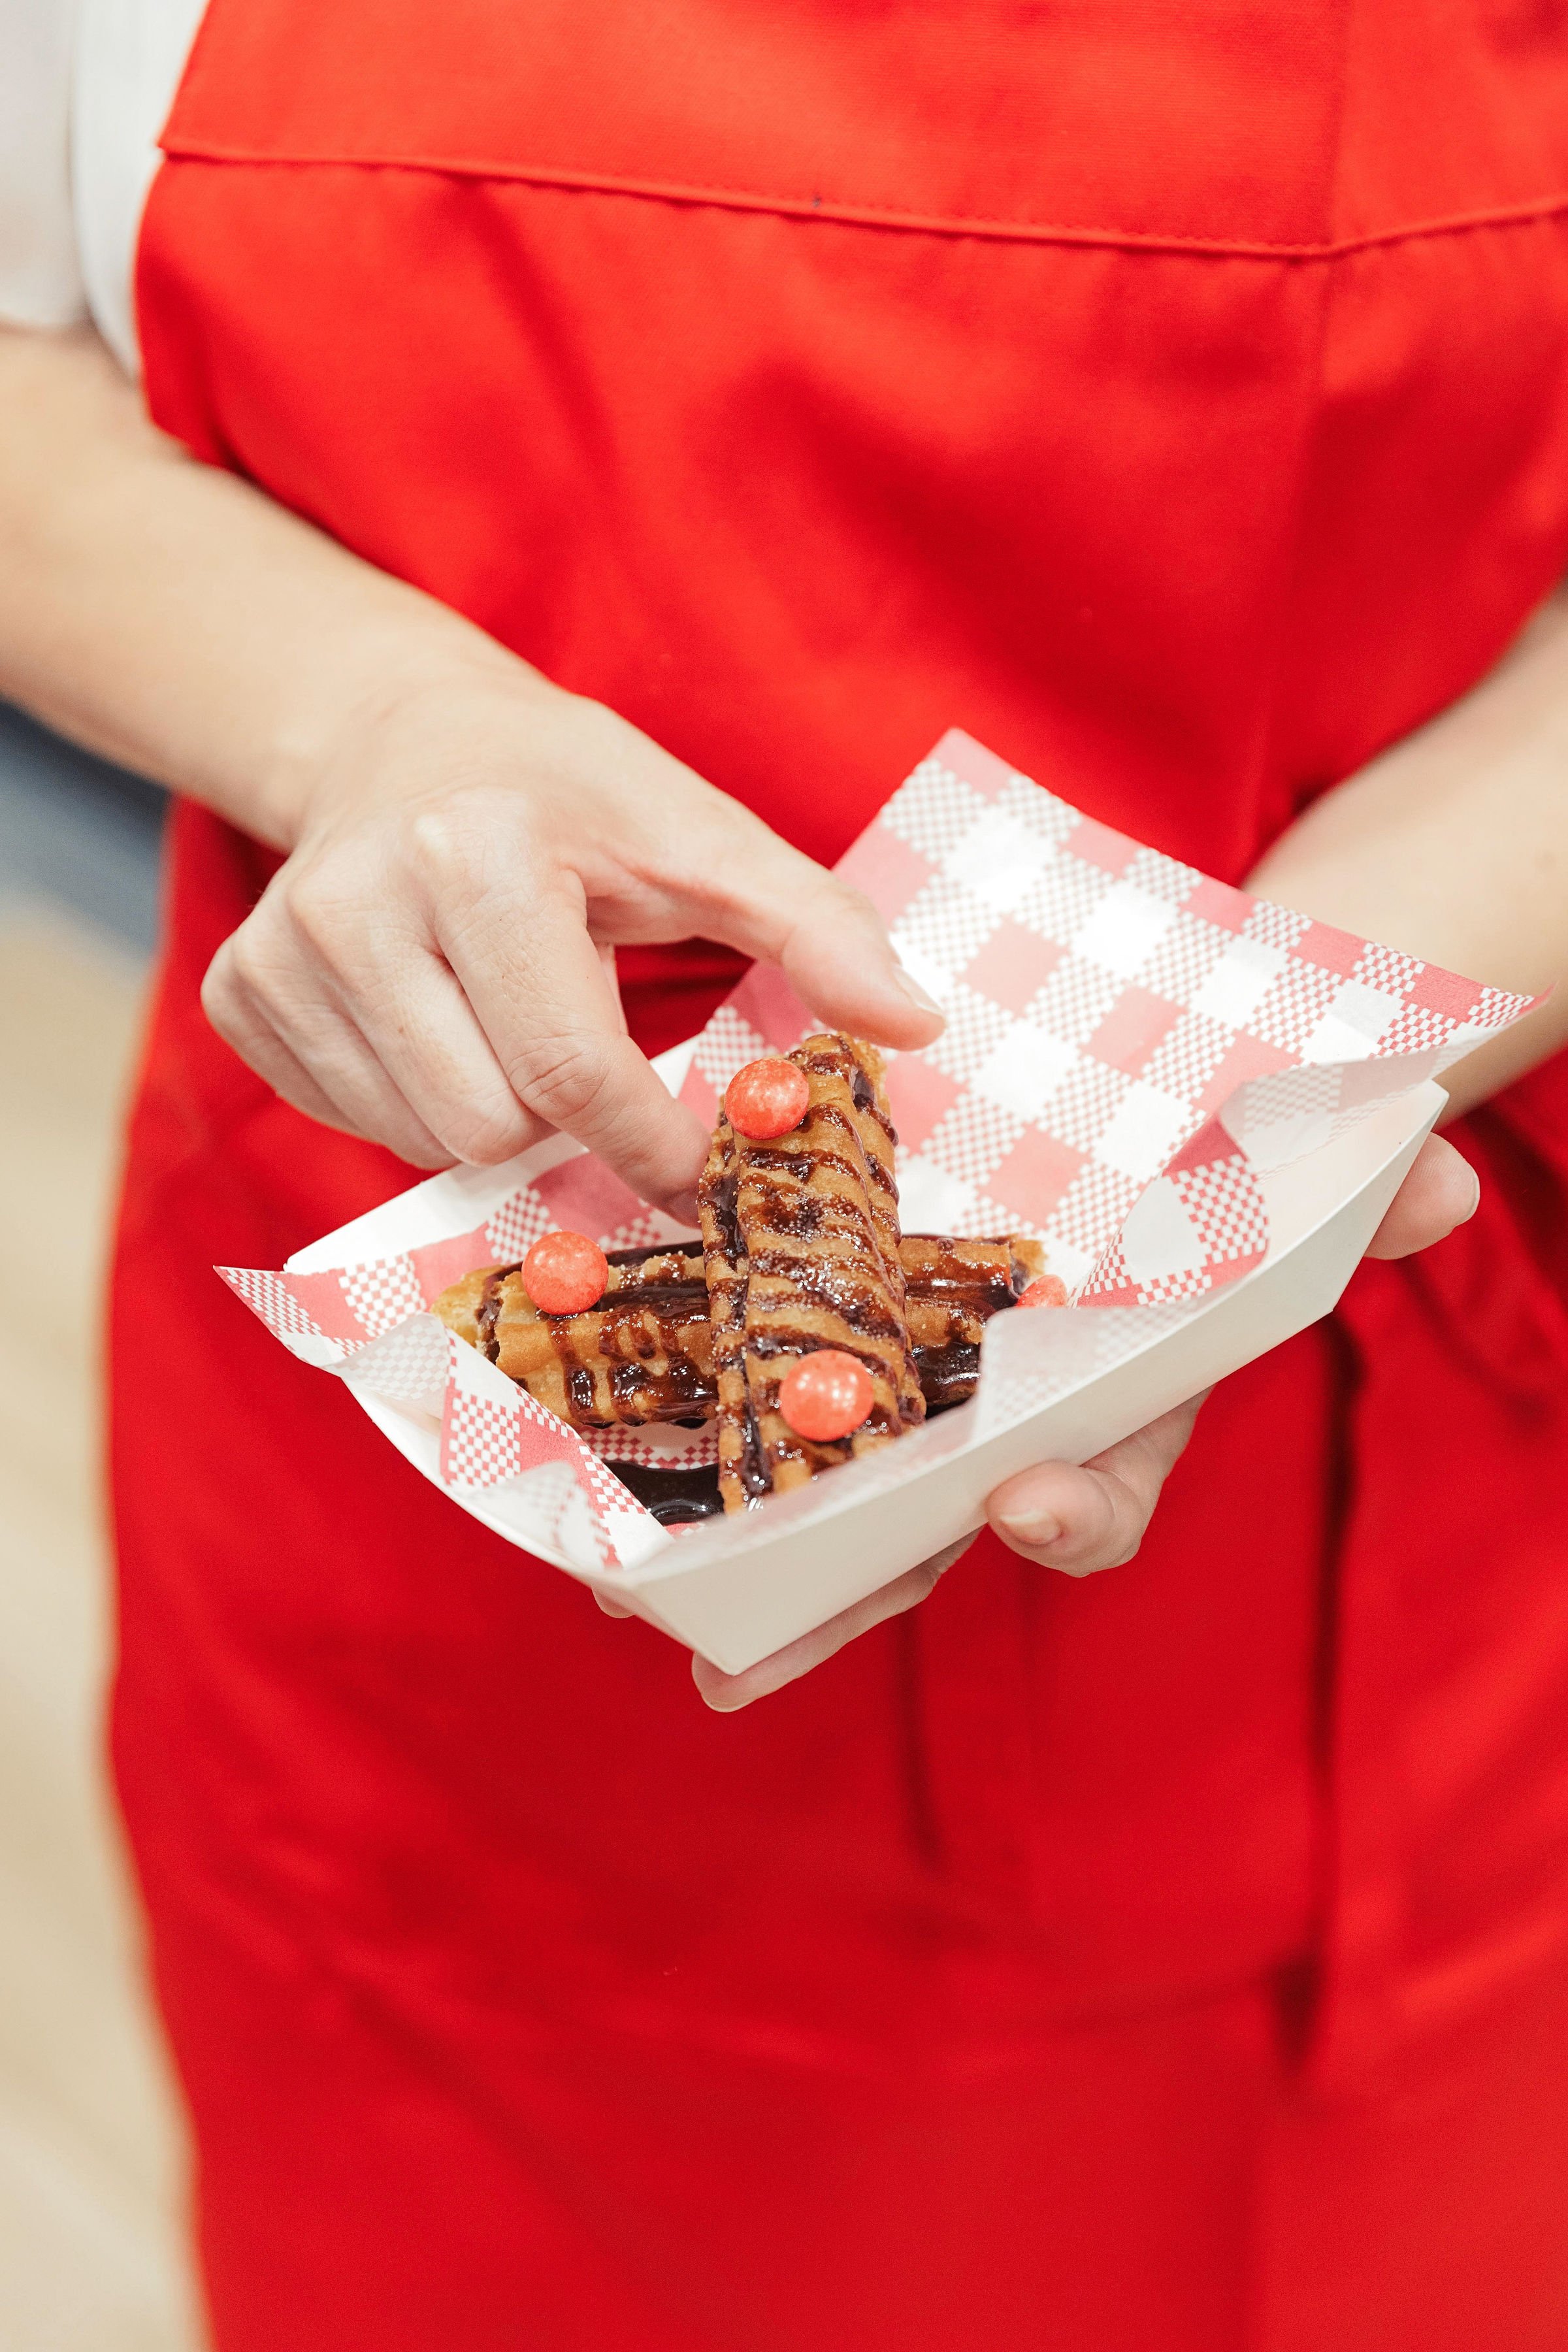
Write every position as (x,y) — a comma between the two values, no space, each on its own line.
(1475,1198)
(1030,1527)
(921,997)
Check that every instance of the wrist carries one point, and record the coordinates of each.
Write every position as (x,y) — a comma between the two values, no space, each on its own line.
(381,713)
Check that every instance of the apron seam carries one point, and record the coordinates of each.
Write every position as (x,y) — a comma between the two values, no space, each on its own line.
(1522,214)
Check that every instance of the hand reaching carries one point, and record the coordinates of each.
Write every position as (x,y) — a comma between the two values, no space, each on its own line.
(433,967)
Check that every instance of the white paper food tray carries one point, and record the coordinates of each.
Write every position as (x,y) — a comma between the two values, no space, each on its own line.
(736,1591)
(1200,1102)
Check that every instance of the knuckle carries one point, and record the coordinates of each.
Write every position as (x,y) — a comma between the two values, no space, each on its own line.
(484,1138)
(261,967)
(233,967)
(564,1078)
(219,989)
(379,1114)
(321,908)
(421,1152)
(1124,1535)
(242,970)
(438,842)
(853,907)
(454,844)
(1119,1547)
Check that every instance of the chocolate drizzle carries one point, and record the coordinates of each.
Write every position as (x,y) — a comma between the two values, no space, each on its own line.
(646,1352)
(955,1287)
(643,1353)
(489,1308)
(801,1239)
(721,1199)
(690,1251)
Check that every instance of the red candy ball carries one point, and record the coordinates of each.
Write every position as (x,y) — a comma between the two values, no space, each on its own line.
(1045,1290)
(565,1274)
(767,1098)
(826,1395)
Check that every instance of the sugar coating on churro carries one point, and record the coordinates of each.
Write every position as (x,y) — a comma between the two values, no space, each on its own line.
(644,1353)
(801,1239)
(952,1287)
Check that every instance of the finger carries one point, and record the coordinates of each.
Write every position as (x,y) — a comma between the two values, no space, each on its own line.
(606,955)
(1442,1191)
(325,932)
(333,1078)
(1080,1518)
(270,1059)
(714,870)
(726,1693)
(771,902)
(550,1013)
(419,1025)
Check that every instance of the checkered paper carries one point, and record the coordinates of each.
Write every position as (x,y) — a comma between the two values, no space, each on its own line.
(370,1323)
(493,1433)
(1127,1040)
(1128,1043)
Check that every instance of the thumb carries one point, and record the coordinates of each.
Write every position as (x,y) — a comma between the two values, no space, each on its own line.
(1440,1192)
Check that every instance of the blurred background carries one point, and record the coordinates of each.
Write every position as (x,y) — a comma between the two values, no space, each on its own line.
(92,2167)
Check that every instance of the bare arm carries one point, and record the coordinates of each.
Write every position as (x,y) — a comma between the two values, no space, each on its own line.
(468,841)
(172,617)
(1454,846)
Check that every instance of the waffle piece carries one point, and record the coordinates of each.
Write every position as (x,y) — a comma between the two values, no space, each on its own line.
(460,1306)
(954,1287)
(800,1236)
(644,1353)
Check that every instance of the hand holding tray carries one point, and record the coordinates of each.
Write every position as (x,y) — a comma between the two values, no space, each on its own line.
(1199,1101)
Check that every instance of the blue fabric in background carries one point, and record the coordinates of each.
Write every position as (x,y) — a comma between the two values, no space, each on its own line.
(77,831)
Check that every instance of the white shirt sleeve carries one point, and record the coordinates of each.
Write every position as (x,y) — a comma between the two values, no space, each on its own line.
(40,278)
(131,55)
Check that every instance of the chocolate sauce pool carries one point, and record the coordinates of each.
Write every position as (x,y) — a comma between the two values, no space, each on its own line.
(675,1497)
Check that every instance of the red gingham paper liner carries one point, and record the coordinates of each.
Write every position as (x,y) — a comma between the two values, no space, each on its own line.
(369,1322)
(1118,1025)
(492,1431)
(1127,1041)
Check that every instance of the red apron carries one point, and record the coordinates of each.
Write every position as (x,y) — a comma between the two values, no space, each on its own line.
(1177,399)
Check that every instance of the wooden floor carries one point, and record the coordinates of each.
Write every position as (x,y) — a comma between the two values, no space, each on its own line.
(91,2167)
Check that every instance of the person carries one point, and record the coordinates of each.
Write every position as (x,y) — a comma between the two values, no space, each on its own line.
(531,481)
